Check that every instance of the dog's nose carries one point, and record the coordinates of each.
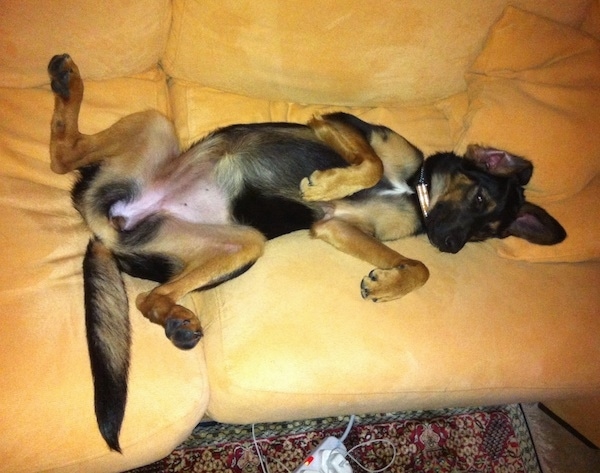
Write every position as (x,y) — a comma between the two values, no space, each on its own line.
(451,244)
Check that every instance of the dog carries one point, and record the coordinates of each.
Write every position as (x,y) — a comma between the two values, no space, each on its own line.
(195,219)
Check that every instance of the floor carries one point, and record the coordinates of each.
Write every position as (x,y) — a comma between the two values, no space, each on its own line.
(559,451)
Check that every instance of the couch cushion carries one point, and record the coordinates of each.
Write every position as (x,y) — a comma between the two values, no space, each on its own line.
(334,51)
(578,215)
(46,398)
(538,79)
(198,110)
(292,337)
(533,91)
(109,38)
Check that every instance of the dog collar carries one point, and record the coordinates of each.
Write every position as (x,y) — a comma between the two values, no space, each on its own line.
(422,193)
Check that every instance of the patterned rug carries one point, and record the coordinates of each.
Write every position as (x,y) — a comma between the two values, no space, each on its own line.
(488,439)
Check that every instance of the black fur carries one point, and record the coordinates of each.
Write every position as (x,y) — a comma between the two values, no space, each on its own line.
(107,195)
(272,216)
(154,267)
(144,232)
(226,277)
(84,180)
(107,312)
(489,208)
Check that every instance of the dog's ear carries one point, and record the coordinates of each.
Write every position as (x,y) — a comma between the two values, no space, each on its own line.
(536,225)
(500,163)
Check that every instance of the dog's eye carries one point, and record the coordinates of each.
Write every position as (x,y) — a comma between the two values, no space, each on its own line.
(479,200)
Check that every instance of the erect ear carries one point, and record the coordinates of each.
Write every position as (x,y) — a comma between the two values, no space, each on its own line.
(500,163)
(536,225)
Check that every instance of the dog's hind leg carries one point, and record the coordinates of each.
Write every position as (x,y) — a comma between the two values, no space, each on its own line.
(365,170)
(394,275)
(133,137)
(211,256)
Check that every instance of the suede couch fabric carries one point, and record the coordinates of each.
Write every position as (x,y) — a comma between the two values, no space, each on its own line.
(291,338)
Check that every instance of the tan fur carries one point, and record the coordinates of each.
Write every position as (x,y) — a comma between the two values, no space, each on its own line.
(358,229)
(365,171)
(134,147)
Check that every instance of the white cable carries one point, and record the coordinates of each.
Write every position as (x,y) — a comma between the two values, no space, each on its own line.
(347,431)
(263,465)
(371,442)
(265,468)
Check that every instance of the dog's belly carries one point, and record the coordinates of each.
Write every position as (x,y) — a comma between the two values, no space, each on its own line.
(200,201)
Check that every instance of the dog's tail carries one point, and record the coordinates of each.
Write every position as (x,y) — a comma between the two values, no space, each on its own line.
(108,336)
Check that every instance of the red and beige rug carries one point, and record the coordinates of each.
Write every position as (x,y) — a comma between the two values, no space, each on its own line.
(488,439)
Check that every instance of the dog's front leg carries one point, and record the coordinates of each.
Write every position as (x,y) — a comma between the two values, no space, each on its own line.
(365,170)
(394,275)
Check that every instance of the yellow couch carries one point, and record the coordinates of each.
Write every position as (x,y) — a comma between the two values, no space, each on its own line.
(502,321)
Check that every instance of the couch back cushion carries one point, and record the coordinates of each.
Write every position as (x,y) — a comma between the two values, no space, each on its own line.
(338,52)
(108,38)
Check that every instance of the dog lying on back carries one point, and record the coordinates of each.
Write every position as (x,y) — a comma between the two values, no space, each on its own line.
(196,219)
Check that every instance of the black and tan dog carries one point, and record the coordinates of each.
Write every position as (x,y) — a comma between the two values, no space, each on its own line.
(195,219)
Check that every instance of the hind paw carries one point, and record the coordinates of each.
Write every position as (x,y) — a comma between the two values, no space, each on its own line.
(184,333)
(64,75)
(181,325)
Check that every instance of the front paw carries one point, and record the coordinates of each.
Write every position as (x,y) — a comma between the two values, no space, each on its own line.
(327,185)
(382,285)
(311,188)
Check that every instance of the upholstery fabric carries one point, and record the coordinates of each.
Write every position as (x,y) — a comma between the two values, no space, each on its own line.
(321,348)
(537,78)
(291,337)
(46,380)
(113,38)
(337,52)
(199,110)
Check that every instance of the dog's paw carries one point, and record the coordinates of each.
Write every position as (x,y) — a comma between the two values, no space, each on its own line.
(311,189)
(382,285)
(181,325)
(63,72)
(182,334)
(323,186)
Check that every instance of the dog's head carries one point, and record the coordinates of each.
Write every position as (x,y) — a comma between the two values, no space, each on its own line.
(481,196)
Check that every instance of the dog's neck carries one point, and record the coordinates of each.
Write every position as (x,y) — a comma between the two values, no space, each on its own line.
(422,191)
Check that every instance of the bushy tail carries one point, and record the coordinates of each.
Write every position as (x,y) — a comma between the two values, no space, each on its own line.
(108,336)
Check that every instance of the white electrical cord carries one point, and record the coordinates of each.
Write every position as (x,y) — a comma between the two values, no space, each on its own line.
(371,442)
(265,467)
(348,428)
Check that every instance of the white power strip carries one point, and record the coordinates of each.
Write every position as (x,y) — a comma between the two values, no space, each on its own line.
(328,457)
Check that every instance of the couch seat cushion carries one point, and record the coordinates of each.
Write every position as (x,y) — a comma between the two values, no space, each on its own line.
(46,397)
(292,337)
